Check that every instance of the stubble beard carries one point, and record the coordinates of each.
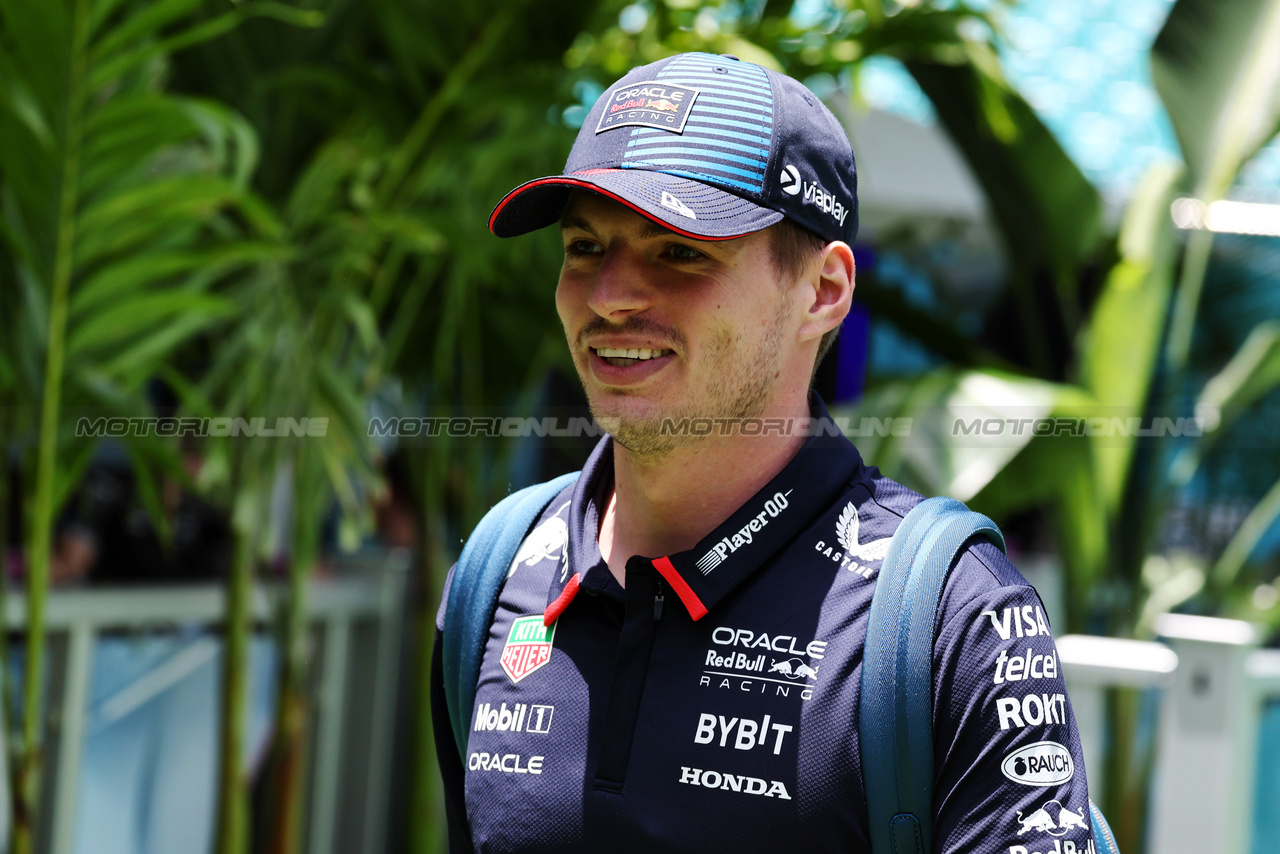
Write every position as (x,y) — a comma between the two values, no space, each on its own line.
(740,389)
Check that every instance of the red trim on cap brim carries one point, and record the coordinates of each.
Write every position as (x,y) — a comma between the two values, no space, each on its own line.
(692,603)
(556,608)
(596,188)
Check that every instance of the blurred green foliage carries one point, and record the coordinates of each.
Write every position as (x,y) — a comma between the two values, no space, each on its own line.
(281,208)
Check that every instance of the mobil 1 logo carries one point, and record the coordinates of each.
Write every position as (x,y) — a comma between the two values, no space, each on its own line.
(520,717)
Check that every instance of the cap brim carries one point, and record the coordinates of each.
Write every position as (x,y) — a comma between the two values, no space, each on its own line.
(686,207)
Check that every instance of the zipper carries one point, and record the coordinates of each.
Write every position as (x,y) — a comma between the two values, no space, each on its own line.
(643,611)
(1101,827)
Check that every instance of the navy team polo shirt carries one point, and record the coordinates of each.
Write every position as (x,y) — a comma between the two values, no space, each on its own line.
(712,705)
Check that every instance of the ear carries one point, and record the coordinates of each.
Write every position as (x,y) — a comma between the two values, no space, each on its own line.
(832,291)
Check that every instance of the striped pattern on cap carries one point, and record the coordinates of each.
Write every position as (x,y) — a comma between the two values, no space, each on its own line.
(729,132)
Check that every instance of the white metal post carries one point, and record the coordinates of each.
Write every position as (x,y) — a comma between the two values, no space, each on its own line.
(328,743)
(1092,664)
(1208,729)
(71,719)
(382,715)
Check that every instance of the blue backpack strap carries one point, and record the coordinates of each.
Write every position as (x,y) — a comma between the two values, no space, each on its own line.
(895,723)
(473,593)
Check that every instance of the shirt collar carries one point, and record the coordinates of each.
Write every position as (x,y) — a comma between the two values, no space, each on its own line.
(711,570)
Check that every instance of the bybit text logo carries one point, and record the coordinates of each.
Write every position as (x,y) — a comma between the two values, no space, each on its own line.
(747,733)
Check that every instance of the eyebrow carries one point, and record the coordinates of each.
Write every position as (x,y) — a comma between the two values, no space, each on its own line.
(651,229)
(568,222)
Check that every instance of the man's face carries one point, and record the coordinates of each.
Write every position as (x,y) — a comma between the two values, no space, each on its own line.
(717,328)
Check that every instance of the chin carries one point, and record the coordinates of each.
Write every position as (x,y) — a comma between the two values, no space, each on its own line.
(637,425)
(619,420)
(646,442)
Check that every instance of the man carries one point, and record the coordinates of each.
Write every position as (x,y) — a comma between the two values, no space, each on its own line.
(675,660)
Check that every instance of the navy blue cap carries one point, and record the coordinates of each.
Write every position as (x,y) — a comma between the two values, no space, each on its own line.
(711,147)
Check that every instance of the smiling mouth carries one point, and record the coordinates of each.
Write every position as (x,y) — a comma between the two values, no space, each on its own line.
(620,358)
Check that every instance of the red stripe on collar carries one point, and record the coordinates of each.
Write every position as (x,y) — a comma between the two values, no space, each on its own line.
(556,608)
(692,603)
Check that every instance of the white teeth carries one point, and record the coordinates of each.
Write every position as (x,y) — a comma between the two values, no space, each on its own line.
(632,353)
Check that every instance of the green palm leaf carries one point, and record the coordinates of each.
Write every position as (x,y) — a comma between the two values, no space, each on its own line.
(111,193)
(1217,69)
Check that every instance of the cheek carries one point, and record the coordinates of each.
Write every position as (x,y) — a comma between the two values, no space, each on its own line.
(567,302)
(722,340)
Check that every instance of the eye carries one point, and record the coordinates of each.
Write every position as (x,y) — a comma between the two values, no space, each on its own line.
(681,252)
(582,246)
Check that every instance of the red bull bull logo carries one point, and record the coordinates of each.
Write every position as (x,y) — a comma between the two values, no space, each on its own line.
(664,105)
(1042,820)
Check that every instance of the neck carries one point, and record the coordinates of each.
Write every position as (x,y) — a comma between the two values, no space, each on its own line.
(667,506)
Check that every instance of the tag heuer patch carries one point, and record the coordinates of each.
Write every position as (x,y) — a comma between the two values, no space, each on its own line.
(528,647)
(652,104)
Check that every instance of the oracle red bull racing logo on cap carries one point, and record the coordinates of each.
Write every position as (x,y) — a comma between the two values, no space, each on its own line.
(528,647)
(652,103)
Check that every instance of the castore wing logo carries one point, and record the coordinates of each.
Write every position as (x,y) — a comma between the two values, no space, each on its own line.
(847,535)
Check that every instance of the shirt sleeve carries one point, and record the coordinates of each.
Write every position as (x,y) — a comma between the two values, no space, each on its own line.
(1009,773)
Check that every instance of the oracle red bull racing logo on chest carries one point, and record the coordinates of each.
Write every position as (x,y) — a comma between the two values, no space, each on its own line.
(528,647)
(653,103)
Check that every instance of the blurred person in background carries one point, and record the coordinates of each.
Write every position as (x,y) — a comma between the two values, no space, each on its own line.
(107,533)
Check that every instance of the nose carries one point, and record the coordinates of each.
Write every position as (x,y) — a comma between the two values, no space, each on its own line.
(621,286)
